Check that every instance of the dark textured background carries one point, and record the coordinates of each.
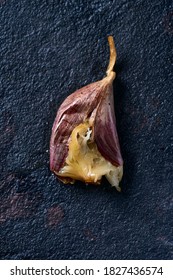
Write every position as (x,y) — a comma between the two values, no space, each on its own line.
(48,49)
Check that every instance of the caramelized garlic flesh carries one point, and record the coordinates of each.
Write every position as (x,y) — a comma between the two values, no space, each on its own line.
(84,162)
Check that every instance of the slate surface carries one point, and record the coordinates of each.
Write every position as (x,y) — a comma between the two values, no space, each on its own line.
(48,50)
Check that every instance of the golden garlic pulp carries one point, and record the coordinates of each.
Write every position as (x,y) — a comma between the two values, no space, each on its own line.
(84,162)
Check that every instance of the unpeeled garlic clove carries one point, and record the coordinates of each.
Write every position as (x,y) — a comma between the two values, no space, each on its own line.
(88,111)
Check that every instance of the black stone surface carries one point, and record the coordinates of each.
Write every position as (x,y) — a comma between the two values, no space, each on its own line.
(48,49)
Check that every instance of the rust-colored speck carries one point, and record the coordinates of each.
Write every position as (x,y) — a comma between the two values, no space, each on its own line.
(7,130)
(89,234)
(54,216)
(18,205)
(2,2)
(168,22)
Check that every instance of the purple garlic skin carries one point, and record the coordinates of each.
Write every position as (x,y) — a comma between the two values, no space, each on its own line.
(74,110)
(105,131)
(97,99)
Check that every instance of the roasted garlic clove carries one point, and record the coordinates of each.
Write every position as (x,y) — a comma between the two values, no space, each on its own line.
(84,143)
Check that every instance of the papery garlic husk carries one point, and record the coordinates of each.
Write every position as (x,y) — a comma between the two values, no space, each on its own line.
(84,143)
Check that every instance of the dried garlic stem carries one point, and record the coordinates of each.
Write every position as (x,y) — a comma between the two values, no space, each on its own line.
(113,56)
